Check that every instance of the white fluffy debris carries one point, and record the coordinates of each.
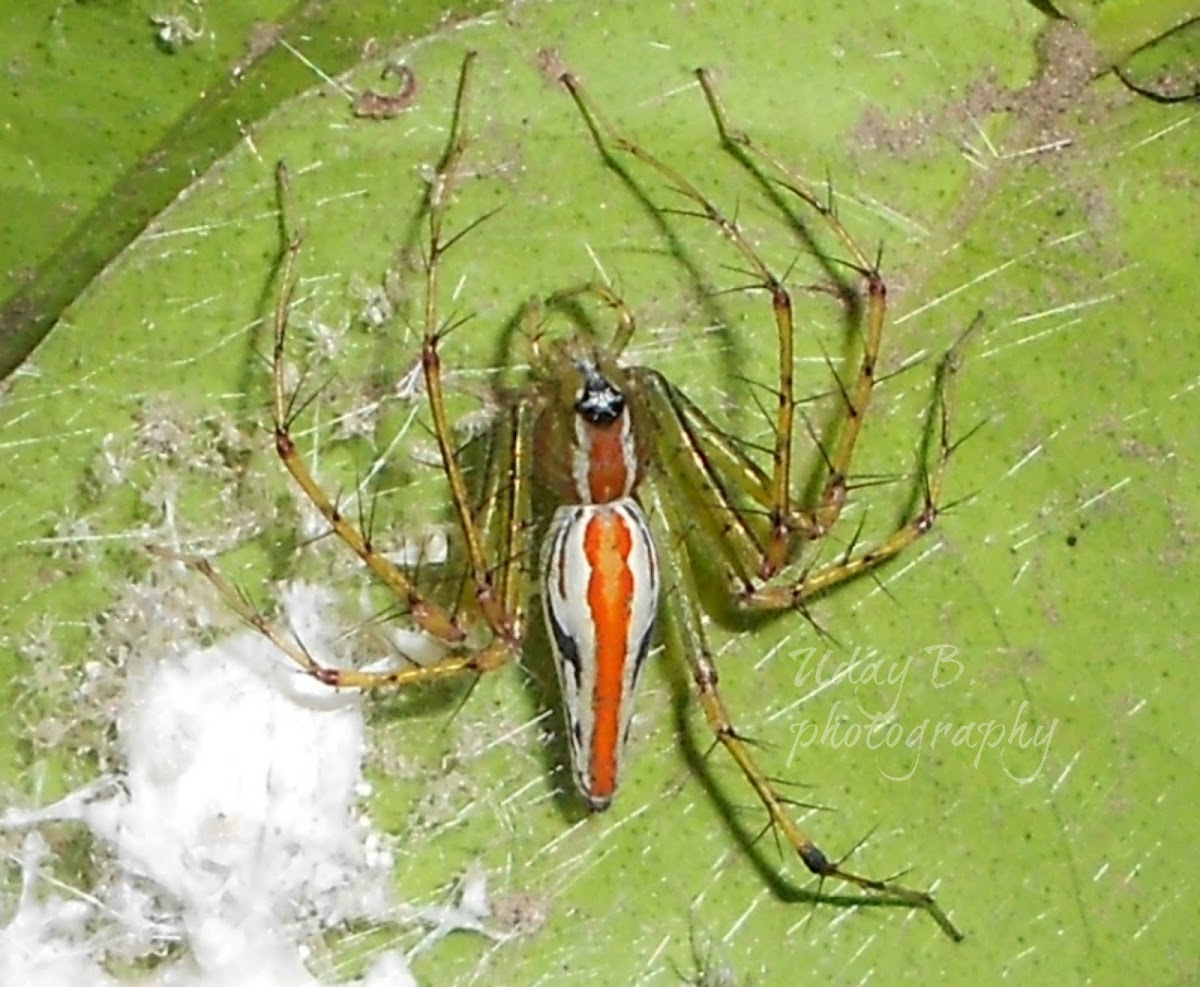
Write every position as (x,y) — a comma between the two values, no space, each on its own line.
(233,829)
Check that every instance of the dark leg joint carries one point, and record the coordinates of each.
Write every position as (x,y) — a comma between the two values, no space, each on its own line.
(485,593)
(328,676)
(429,354)
(705,675)
(926,519)
(835,489)
(816,861)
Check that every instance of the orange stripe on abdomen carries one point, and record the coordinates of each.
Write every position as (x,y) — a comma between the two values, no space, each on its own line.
(607,544)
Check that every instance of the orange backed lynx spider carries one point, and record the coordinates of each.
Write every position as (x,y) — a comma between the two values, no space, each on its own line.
(627,457)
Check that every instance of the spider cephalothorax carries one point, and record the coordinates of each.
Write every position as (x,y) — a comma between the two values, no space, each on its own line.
(589,436)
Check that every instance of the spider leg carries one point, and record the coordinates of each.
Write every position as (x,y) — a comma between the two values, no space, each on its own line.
(503,514)
(784,520)
(626,322)
(431,618)
(817,581)
(503,612)
(731,494)
(857,398)
(499,589)
(787,520)
(690,628)
(478,661)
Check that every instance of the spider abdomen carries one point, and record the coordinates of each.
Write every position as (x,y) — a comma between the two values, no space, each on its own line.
(600,598)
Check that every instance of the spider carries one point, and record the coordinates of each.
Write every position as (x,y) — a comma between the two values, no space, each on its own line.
(627,457)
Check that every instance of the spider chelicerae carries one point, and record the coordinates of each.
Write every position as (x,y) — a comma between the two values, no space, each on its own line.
(626,457)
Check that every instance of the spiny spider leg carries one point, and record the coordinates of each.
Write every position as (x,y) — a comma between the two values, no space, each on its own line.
(432,618)
(694,643)
(788,521)
(784,520)
(502,606)
(787,595)
(507,626)
(626,323)
(667,511)
(858,398)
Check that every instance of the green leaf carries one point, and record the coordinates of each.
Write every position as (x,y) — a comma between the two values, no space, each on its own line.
(1060,206)
(186,111)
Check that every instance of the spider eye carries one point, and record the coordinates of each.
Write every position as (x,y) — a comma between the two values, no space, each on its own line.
(599,401)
